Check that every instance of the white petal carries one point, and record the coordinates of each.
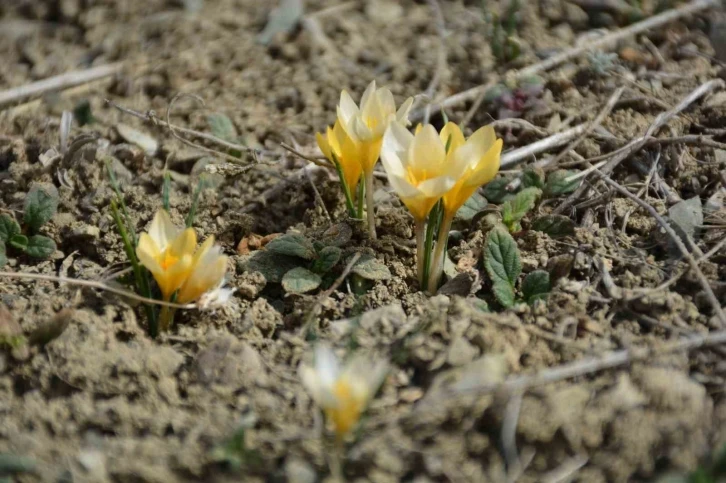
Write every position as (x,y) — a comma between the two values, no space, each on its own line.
(385,100)
(403,188)
(326,365)
(347,108)
(358,130)
(368,94)
(437,187)
(394,149)
(402,113)
(427,152)
(162,230)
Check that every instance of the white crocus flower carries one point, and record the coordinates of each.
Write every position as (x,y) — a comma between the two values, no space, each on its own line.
(342,392)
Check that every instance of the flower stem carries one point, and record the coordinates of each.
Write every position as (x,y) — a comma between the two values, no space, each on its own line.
(433,223)
(369,205)
(344,186)
(420,228)
(437,267)
(166,317)
(360,198)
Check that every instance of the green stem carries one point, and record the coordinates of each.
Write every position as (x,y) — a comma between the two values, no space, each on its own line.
(142,282)
(369,205)
(346,189)
(360,198)
(433,223)
(166,317)
(438,260)
(420,228)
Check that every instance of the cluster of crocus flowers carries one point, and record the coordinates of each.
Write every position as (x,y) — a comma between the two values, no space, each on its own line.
(353,145)
(428,168)
(183,273)
(343,393)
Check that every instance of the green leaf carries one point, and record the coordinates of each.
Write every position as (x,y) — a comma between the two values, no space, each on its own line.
(504,293)
(557,183)
(327,259)
(40,246)
(533,178)
(8,228)
(501,257)
(3,257)
(272,266)
(337,235)
(536,285)
(294,245)
(471,207)
(11,464)
(40,205)
(282,19)
(554,225)
(222,127)
(496,191)
(19,241)
(514,210)
(301,280)
(370,268)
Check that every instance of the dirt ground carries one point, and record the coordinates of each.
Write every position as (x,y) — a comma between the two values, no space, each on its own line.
(102,401)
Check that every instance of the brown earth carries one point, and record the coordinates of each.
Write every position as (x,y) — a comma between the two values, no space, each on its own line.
(105,402)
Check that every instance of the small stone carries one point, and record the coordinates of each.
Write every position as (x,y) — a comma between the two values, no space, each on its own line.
(299,471)
(250,284)
(461,352)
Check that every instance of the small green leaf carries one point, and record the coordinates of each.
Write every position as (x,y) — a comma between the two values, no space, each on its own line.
(501,257)
(554,225)
(471,207)
(222,127)
(301,280)
(272,266)
(11,464)
(533,178)
(536,285)
(40,246)
(19,241)
(8,228)
(294,245)
(40,205)
(504,293)
(3,257)
(282,19)
(370,268)
(514,210)
(327,259)
(557,183)
(496,191)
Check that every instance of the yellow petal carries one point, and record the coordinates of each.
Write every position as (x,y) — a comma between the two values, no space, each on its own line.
(148,253)
(452,137)
(402,113)
(174,277)
(350,163)
(184,243)
(488,166)
(419,126)
(324,146)
(347,108)
(426,154)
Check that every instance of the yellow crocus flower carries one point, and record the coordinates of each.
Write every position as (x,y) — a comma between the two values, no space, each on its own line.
(343,152)
(208,269)
(167,252)
(366,125)
(343,393)
(478,163)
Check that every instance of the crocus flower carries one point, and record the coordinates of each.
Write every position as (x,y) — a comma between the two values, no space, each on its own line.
(167,252)
(366,125)
(343,152)
(343,393)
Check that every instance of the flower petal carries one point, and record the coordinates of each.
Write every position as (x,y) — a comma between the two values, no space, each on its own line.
(148,253)
(326,365)
(403,111)
(488,166)
(452,136)
(436,187)
(368,94)
(324,145)
(347,108)
(185,243)
(162,230)
(395,148)
(386,101)
(426,153)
